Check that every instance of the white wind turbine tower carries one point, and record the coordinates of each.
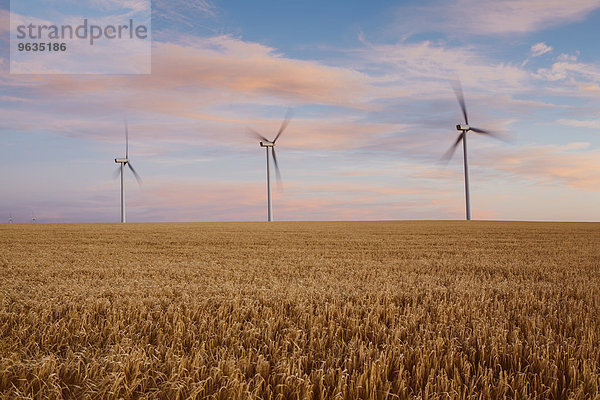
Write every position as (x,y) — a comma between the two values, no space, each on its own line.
(464,129)
(10,219)
(123,162)
(264,142)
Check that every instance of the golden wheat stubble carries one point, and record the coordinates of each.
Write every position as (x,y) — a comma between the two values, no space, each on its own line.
(332,310)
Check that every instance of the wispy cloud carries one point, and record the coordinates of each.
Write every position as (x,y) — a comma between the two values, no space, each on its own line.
(540,48)
(425,68)
(562,70)
(519,16)
(226,66)
(496,17)
(171,17)
(591,124)
(228,63)
(109,5)
(211,200)
(4,23)
(574,164)
(208,200)
(184,10)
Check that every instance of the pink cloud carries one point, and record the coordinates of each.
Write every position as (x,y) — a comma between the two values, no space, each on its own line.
(4,22)
(573,165)
(591,124)
(178,200)
(193,82)
(229,64)
(590,87)
(224,66)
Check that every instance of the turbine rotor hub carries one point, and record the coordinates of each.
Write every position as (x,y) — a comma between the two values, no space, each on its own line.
(463,127)
(266,144)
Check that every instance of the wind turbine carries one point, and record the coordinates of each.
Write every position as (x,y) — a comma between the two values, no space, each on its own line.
(33,217)
(464,129)
(264,142)
(10,220)
(123,162)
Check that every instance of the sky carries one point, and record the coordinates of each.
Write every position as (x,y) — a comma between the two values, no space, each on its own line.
(370,88)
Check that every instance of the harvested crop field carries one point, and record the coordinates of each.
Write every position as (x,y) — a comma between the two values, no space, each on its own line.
(377,310)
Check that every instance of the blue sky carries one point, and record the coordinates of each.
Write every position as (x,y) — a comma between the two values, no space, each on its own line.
(374,111)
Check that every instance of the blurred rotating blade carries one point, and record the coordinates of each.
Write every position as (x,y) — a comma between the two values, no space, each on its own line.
(481,131)
(137,177)
(448,155)
(117,173)
(257,135)
(278,174)
(461,99)
(126,140)
(492,134)
(284,124)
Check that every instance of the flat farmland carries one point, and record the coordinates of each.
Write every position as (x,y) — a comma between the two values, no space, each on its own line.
(300,310)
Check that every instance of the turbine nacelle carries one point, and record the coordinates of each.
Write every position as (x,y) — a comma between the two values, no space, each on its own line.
(267,144)
(463,127)
(121,160)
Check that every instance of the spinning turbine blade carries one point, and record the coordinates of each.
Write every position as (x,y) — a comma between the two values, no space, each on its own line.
(284,124)
(258,135)
(137,177)
(492,134)
(448,155)
(481,131)
(276,165)
(126,140)
(461,99)
(117,173)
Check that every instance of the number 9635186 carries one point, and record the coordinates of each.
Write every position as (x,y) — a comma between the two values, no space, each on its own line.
(50,46)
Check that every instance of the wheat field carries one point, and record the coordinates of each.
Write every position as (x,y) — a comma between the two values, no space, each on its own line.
(300,310)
